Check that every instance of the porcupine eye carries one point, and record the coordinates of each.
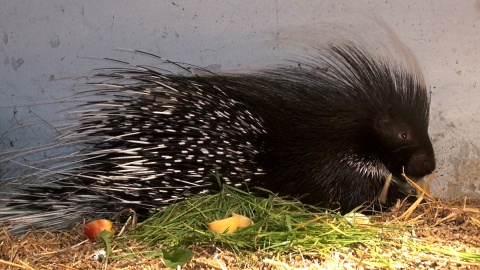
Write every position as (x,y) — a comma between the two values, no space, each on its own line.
(399,138)
(394,135)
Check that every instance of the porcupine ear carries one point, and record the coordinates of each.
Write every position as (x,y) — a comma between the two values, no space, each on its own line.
(382,123)
(384,131)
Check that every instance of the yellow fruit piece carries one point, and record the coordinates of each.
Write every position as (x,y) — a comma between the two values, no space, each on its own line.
(231,224)
(357,218)
(243,221)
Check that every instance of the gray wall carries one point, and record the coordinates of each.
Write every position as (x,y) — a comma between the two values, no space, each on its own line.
(46,44)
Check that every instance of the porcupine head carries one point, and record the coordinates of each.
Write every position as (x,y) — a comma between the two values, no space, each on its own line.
(401,130)
(394,104)
(406,147)
(373,123)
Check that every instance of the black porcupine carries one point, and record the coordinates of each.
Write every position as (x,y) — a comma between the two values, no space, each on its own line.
(328,130)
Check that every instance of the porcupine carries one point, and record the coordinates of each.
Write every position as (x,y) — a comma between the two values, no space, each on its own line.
(327,130)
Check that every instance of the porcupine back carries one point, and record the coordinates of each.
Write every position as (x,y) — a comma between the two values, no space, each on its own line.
(328,130)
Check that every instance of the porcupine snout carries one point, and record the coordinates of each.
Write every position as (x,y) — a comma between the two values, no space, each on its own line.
(420,164)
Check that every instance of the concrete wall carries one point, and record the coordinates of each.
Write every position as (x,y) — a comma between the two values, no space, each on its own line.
(45,44)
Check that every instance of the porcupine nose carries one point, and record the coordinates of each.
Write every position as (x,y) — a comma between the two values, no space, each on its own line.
(420,165)
(429,165)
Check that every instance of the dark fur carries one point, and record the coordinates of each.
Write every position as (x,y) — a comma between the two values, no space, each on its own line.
(328,131)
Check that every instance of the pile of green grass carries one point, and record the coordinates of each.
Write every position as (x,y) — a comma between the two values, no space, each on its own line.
(284,226)
(280,225)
